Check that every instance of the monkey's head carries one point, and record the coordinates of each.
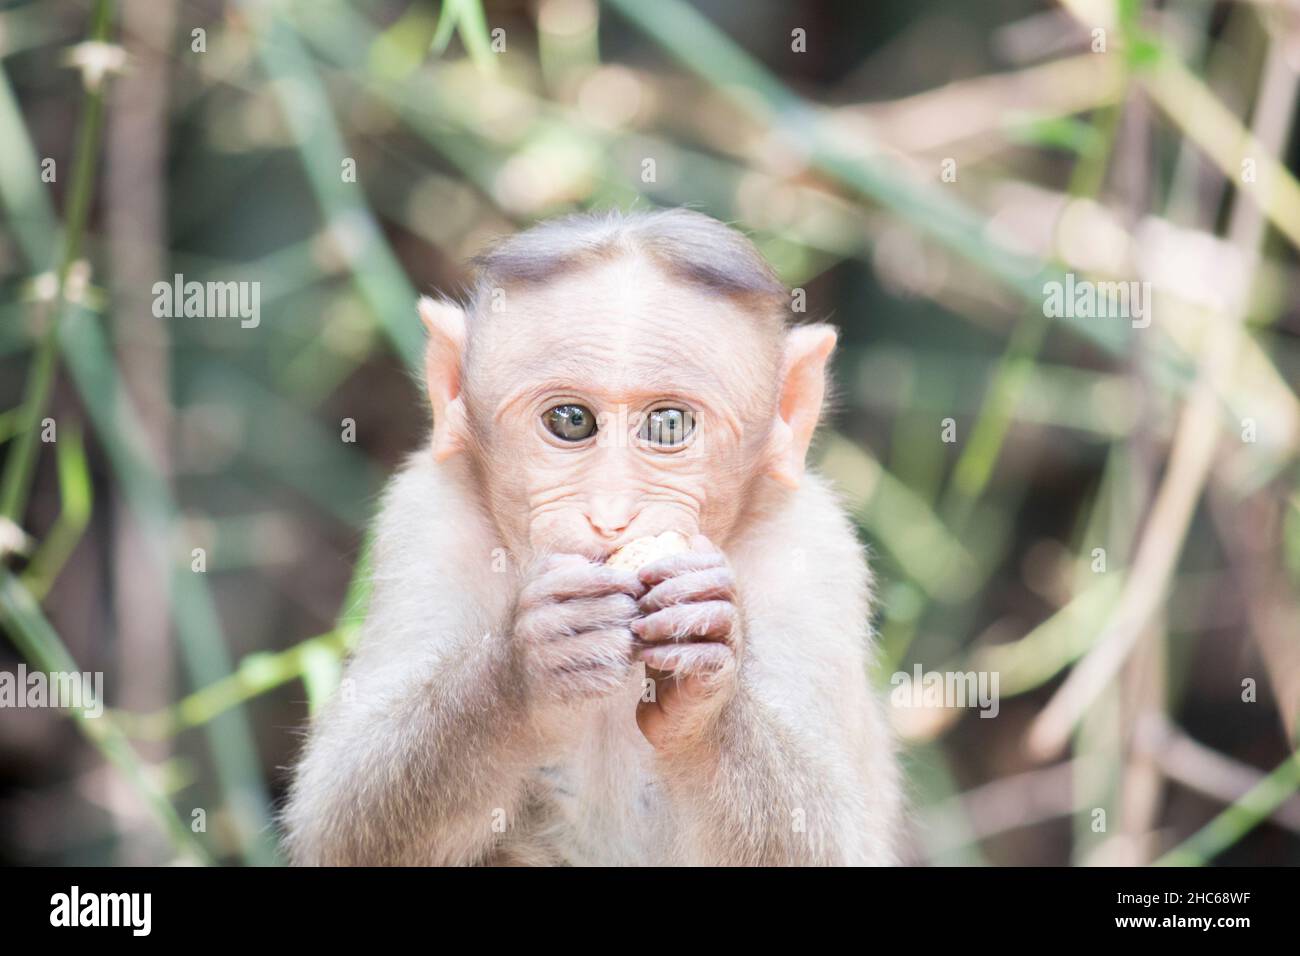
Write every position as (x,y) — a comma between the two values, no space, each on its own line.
(618,376)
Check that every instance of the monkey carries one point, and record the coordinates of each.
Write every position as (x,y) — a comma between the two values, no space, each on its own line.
(514,699)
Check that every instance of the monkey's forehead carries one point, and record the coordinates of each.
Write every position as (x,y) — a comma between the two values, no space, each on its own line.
(627,307)
(617,361)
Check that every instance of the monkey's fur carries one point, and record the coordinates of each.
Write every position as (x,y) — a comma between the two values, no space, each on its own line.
(445,746)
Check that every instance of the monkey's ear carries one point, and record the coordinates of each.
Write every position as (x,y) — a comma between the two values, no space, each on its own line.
(445,322)
(803,386)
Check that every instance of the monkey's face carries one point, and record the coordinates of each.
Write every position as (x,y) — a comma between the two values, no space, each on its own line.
(617,403)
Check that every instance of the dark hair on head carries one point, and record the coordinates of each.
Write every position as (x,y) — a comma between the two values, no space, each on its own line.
(688,245)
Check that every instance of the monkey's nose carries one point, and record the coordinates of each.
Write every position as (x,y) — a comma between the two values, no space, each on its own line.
(609,529)
(610,519)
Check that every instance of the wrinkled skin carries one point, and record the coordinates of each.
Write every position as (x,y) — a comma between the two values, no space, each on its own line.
(648,347)
(621,340)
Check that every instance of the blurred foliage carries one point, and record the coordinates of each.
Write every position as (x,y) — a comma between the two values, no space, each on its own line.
(922,171)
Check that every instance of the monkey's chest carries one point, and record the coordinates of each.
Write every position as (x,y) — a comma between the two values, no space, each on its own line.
(597,801)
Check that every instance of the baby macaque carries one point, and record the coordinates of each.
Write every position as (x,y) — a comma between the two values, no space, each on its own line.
(536,686)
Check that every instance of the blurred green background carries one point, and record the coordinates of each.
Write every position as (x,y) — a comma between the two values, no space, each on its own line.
(1112,525)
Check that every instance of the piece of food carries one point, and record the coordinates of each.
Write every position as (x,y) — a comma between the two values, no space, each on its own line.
(637,554)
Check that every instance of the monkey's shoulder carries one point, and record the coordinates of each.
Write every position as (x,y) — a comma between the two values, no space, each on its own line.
(804,541)
(426,514)
(431,545)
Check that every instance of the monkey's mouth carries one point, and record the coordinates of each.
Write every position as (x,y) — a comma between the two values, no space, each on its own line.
(630,551)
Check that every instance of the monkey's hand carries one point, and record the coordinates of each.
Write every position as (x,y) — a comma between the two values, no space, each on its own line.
(690,641)
(572,622)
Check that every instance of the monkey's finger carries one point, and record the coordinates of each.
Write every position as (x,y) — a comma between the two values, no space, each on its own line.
(703,545)
(548,563)
(552,561)
(597,613)
(609,647)
(708,619)
(551,621)
(569,581)
(592,664)
(680,563)
(710,584)
(688,659)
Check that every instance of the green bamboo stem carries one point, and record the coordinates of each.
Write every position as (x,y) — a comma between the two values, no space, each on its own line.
(203,649)
(1239,819)
(256,675)
(21,463)
(375,270)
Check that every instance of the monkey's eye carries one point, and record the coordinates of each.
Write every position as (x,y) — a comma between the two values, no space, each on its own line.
(570,422)
(667,427)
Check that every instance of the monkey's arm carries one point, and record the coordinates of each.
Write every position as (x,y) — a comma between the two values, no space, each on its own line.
(796,767)
(461,685)
(757,790)
(425,740)
(411,769)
